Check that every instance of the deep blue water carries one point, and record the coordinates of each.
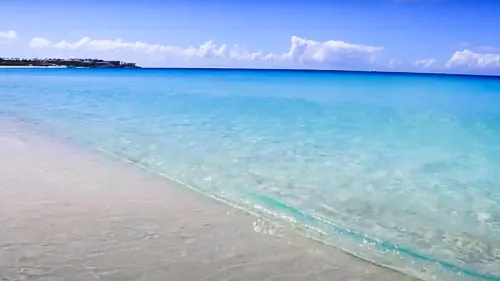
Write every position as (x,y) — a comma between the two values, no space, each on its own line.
(403,170)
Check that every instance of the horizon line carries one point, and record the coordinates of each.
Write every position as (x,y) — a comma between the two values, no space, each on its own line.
(322,70)
(374,72)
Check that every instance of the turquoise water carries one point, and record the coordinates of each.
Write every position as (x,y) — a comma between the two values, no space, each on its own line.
(402,170)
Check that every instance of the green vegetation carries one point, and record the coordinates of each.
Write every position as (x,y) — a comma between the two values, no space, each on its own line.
(55,62)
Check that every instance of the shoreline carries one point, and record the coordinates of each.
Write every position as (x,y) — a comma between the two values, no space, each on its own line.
(156,217)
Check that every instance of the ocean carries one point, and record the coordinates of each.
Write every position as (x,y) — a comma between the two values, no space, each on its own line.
(399,169)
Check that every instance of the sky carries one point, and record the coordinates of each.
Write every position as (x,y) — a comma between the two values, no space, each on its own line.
(452,36)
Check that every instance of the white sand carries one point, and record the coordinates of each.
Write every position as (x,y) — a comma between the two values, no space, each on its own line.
(70,214)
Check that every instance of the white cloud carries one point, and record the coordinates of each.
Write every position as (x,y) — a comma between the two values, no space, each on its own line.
(206,50)
(330,52)
(39,42)
(302,51)
(425,63)
(8,35)
(469,59)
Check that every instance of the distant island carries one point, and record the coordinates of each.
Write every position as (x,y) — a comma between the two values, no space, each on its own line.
(67,63)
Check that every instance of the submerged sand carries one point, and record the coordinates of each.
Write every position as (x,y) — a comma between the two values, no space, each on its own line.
(67,213)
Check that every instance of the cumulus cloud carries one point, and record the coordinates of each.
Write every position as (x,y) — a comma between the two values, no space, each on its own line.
(469,59)
(330,52)
(301,51)
(208,49)
(8,35)
(425,63)
(39,42)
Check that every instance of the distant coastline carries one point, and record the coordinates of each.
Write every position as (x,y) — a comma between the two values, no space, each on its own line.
(63,63)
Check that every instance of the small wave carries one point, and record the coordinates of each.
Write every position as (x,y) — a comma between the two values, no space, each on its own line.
(315,227)
(322,226)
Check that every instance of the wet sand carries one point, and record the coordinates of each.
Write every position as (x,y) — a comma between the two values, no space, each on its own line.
(67,213)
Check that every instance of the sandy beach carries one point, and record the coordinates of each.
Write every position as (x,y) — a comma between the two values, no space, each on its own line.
(67,213)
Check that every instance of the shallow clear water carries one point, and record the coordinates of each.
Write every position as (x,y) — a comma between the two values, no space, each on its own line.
(403,170)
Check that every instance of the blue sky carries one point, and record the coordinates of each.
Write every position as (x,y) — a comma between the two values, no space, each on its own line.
(398,35)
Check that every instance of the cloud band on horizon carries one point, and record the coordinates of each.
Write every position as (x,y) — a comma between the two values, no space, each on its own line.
(302,53)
